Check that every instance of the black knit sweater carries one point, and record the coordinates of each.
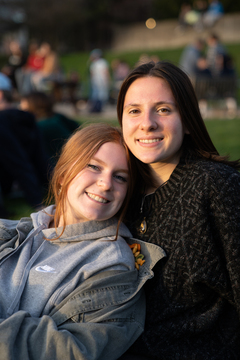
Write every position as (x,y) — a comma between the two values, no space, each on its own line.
(193,301)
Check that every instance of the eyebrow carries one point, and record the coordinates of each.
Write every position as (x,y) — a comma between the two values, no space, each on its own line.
(104,163)
(156,104)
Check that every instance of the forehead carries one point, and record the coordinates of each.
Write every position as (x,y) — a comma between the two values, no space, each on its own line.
(112,152)
(149,88)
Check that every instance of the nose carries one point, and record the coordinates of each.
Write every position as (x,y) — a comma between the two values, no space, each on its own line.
(148,122)
(105,182)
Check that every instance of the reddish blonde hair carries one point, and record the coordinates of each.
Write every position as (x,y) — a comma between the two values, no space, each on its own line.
(74,157)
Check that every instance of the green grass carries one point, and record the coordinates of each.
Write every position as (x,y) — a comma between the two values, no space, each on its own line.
(226,136)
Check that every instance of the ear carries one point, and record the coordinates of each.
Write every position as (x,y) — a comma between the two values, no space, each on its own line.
(186,131)
(61,180)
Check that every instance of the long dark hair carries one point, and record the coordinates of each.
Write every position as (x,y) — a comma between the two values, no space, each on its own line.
(198,140)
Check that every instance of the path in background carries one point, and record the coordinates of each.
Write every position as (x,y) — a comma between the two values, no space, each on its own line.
(167,34)
(68,109)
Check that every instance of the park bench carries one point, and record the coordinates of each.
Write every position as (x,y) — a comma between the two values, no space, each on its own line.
(217,91)
(65,90)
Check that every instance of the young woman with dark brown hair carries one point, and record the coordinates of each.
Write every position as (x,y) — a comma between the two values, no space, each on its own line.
(193,301)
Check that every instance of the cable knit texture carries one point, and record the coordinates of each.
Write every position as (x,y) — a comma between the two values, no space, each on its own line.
(193,301)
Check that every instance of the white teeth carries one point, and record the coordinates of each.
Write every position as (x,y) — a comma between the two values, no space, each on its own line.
(97,198)
(149,141)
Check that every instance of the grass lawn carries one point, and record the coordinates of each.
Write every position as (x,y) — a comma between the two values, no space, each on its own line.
(226,136)
(224,133)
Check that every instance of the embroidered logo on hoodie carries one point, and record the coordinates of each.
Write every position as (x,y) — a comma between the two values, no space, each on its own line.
(46,269)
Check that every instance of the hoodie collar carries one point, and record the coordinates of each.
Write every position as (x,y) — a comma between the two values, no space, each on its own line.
(89,230)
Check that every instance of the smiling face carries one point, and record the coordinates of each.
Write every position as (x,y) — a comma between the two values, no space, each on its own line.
(98,191)
(152,127)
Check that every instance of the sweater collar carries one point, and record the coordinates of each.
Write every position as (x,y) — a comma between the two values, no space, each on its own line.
(175,180)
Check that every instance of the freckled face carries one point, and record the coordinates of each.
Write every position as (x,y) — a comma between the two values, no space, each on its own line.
(98,191)
(152,127)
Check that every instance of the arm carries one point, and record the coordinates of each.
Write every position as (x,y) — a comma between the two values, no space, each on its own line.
(75,330)
(225,213)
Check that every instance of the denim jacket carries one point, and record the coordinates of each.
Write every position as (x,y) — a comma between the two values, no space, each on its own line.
(100,319)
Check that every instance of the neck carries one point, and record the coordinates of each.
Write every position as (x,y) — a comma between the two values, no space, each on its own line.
(162,172)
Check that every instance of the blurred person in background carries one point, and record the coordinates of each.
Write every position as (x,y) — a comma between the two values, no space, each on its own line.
(16,60)
(99,80)
(192,15)
(55,128)
(120,69)
(190,56)
(50,70)
(214,12)
(23,160)
(35,61)
(214,49)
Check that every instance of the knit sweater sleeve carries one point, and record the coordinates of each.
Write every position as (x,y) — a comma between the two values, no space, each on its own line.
(224,207)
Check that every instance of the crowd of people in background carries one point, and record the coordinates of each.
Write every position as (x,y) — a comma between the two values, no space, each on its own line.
(40,71)
(208,58)
(32,132)
(32,71)
(201,15)
(27,101)
(212,71)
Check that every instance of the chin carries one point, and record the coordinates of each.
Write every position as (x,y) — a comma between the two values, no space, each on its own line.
(148,160)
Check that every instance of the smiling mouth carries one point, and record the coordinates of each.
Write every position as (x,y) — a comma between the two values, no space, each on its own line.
(97,198)
(149,141)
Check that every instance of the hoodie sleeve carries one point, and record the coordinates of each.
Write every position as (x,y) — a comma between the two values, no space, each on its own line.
(75,330)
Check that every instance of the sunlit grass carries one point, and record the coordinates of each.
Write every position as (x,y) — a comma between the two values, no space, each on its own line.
(226,136)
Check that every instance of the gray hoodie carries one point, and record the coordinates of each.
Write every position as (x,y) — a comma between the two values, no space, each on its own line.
(76,298)
(41,273)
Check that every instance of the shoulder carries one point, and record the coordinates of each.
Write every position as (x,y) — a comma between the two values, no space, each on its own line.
(8,228)
(215,170)
(213,176)
(14,113)
(48,121)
